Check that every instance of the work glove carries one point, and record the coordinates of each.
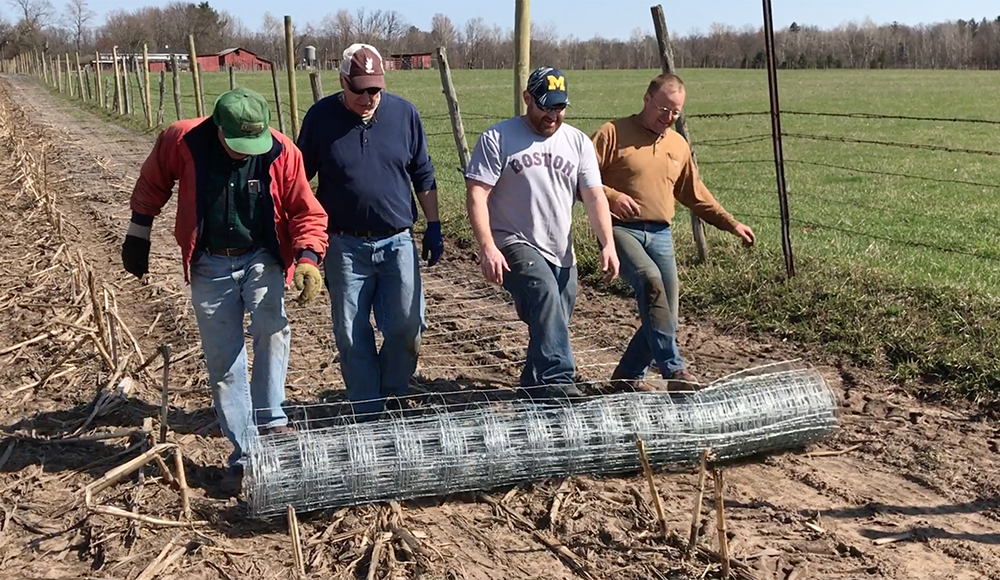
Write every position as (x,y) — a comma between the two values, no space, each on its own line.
(135,255)
(307,281)
(433,243)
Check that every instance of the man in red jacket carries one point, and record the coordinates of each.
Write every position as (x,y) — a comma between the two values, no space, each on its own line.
(247,223)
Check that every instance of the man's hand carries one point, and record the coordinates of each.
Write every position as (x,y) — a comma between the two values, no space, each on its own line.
(624,207)
(609,262)
(433,243)
(135,255)
(307,281)
(493,264)
(744,233)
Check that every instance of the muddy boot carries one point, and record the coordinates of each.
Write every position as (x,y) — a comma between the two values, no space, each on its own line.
(280,429)
(681,381)
(231,484)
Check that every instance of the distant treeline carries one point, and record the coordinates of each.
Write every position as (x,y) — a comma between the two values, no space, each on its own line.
(959,44)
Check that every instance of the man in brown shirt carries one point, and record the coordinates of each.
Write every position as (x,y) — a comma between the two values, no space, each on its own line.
(644,167)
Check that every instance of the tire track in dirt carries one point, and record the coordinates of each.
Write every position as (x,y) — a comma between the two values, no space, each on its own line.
(929,476)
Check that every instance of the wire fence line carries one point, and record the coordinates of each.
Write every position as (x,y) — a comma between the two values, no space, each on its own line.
(885,170)
(708,142)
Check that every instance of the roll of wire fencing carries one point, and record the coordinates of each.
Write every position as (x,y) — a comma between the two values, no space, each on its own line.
(443,449)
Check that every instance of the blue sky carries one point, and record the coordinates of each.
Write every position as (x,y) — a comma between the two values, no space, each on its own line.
(608,18)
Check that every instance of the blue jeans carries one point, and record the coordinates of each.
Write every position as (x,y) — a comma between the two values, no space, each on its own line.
(222,289)
(544,297)
(646,252)
(380,274)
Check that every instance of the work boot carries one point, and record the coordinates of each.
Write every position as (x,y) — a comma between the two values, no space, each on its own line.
(549,393)
(682,381)
(231,484)
(280,429)
(569,390)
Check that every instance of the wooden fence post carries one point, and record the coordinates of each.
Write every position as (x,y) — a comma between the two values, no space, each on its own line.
(457,128)
(145,87)
(79,79)
(667,65)
(98,80)
(199,99)
(317,85)
(118,107)
(163,90)
(69,77)
(175,65)
(277,98)
(293,94)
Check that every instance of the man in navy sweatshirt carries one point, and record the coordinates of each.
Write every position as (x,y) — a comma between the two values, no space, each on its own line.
(368,147)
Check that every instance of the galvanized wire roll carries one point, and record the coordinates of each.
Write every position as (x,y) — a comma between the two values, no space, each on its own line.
(444,451)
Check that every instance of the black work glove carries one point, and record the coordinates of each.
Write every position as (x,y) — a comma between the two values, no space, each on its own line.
(433,243)
(135,255)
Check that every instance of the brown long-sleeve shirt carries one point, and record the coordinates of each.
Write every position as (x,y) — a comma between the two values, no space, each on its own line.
(654,170)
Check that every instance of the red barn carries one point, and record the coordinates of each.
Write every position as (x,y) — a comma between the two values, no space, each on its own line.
(239,59)
(410,61)
(208,63)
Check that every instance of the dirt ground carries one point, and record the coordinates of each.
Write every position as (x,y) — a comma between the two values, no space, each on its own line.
(902,490)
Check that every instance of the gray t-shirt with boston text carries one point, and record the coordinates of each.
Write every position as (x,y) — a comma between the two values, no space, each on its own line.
(535,182)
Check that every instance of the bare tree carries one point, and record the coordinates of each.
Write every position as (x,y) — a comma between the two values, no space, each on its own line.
(33,12)
(443,31)
(78,16)
(127,30)
(28,31)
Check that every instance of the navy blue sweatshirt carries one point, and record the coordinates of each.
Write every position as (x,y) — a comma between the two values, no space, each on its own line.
(366,169)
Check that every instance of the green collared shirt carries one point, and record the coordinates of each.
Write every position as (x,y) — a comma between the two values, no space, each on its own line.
(232,202)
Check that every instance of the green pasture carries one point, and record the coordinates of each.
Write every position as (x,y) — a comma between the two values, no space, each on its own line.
(896,248)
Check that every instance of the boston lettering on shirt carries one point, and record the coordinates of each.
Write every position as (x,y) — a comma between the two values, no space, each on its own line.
(542,159)
(535,183)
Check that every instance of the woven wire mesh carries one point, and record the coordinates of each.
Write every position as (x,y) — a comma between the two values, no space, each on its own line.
(442,451)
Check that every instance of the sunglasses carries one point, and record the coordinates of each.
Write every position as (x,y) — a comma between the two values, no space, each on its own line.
(552,108)
(372,91)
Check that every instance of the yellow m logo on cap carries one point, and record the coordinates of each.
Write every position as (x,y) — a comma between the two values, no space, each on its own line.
(556,83)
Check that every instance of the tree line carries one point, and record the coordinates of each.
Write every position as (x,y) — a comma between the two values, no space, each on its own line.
(38,26)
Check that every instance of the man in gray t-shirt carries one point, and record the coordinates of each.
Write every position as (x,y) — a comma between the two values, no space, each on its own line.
(522,181)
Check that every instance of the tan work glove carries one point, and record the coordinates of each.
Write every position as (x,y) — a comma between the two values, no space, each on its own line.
(307,281)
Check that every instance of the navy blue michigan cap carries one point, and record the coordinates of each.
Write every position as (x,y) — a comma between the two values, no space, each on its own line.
(547,86)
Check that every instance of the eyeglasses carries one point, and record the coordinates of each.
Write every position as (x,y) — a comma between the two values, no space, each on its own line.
(667,111)
(371,91)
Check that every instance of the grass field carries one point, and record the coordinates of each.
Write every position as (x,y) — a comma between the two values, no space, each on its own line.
(897,269)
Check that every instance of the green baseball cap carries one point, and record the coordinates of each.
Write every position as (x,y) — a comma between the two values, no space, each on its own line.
(244,118)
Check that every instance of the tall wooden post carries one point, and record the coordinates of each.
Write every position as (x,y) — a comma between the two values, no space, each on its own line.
(522,52)
(277,98)
(199,102)
(45,69)
(175,65)
(58,74)
(127,89)
(86,83)
(232,77)
(119,99)
(69,77)
(667,65)
(79,79)
(98,80)
(145,86)
(163,90)
(293,96)
(457,128)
